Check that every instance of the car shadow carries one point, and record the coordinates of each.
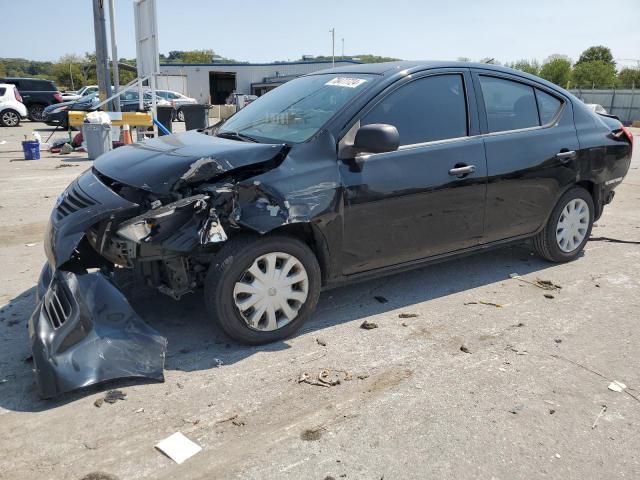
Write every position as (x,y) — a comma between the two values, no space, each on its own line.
(195,344)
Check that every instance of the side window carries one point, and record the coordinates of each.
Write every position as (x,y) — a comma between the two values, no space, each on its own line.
(130,96)
(425,110)
(2,92)
(509,105)
(548,106)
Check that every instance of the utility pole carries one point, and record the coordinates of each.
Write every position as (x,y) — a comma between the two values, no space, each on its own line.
(102,54)
(333,47)
(114,54)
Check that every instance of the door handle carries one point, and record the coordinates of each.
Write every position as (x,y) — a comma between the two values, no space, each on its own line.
(566,155)
(463,170)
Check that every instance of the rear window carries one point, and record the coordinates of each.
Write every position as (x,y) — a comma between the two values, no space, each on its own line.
(2,91)
(509,105)
(548,106)
(425,110)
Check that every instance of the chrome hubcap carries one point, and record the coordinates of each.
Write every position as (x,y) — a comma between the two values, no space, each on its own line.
(271,292)
(10,119)
(572,225)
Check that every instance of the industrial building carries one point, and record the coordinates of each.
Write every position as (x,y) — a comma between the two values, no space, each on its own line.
(213,82)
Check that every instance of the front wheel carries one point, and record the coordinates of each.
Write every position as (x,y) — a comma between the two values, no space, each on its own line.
(568,228)
(262,289)
(180,116)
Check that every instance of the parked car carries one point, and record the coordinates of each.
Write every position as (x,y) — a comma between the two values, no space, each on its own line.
(36,94)
(335,176)
(12,110)
(86,90)
(58,114)
(177,100)
(597,108)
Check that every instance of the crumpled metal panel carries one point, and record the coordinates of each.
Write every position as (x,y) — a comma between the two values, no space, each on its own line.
(84,332)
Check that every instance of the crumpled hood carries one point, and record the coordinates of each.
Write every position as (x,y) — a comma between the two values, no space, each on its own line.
(157,165)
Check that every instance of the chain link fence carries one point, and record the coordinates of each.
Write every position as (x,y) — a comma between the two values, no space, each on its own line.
(624,104)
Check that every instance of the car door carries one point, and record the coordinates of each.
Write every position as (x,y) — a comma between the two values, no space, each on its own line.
(412,203)
(530,145)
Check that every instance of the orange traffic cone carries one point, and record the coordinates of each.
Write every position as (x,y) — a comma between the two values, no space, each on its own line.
(126,135)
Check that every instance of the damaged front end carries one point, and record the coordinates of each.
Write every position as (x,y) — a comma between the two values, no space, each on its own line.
(116,227)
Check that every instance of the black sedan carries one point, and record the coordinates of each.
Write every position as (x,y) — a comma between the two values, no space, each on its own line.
(332,177)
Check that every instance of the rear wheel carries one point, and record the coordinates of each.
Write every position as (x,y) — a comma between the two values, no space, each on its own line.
(36,111)
(9,118)
(568,227)
(180,116)
(262,289)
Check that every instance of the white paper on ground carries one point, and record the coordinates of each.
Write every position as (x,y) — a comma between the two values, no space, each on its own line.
(178,447)
(617,386)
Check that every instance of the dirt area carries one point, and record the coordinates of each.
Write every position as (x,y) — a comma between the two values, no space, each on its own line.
(469,373)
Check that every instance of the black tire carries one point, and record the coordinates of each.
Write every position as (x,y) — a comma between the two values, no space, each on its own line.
(545,242)
(230,264)
(36,112)
(9,118)
(180,115)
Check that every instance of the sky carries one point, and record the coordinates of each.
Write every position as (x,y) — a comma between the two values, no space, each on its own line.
(264,31)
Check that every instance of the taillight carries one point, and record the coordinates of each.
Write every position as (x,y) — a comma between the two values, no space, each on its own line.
(58,97)
(17,94)
(628,133)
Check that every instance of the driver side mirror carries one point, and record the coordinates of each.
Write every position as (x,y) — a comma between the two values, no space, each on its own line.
(376,138)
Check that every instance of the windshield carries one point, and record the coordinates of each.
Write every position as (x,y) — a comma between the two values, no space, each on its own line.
(295,111)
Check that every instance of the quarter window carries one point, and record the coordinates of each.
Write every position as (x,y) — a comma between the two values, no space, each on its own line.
(425,110)
(509,105)
(547,105)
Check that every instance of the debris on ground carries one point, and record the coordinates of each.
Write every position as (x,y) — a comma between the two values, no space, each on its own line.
(112,396)
(363,376)
(367,325)
(551,411)
(178,447)
(30,244)
(408,315)
(595,423)
(405,324)
(617,386)
(228,419)
(517,409)
(311,434)
(464,349)
(558,340)
(548,295)
(538,282)
(63,165)
(326,377)
(66,149)
(517,350)
(381,299)
(491,304)
(613,240)
(321,342)
(99,476)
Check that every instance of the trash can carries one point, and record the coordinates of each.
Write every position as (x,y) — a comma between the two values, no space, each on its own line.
(97,137)
(31,149)
(165,115)
(195,116)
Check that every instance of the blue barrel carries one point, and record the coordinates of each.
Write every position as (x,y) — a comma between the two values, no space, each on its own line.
(31,149)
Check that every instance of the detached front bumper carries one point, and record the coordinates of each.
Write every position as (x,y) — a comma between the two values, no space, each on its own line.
(83,331)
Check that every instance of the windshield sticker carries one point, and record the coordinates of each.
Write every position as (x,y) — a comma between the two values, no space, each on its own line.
(346,82)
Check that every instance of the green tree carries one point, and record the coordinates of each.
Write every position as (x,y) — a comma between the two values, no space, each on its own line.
(629,78)
(597,54)
(558,71)
(67,72)
(595,74)
(532,67)
(197,56)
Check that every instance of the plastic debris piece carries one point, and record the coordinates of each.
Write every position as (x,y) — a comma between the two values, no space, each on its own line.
(617,386)
(178,447)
